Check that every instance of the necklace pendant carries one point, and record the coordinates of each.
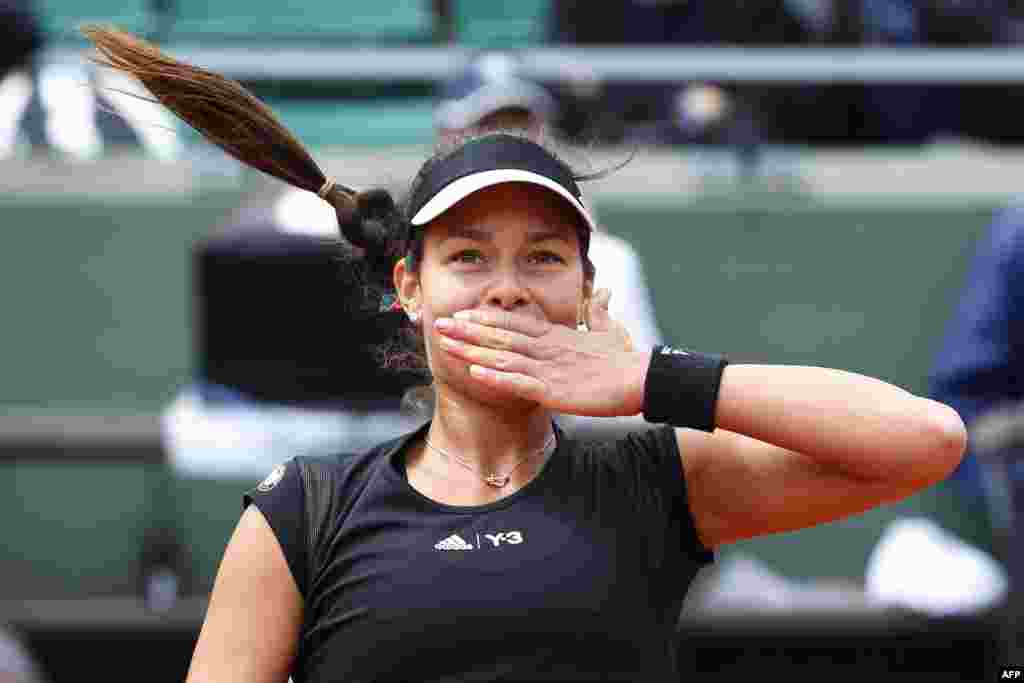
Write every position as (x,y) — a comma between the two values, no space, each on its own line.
(497,480)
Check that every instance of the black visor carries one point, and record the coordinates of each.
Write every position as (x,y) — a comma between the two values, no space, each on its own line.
(488,161)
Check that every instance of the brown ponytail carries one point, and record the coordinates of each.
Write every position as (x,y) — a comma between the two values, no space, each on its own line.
(229,116)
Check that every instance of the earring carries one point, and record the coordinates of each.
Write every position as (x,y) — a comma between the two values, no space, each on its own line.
(581,318)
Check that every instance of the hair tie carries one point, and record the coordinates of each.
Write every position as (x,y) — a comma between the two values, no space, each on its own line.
(326,188)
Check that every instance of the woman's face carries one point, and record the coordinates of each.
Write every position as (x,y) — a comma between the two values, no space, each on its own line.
(511,247)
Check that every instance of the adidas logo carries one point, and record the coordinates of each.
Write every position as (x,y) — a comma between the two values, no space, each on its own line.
(453,542)
(669,351)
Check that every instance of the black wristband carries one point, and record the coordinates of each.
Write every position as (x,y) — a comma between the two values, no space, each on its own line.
(681,388)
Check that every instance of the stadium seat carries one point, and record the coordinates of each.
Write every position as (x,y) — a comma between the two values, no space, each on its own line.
(496,24)
(61,18)
(363,20)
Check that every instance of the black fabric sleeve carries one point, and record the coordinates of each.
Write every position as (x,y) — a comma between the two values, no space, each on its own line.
(655,455)
(281,499)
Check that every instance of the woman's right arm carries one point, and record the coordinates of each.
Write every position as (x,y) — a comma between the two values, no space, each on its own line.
(251,630)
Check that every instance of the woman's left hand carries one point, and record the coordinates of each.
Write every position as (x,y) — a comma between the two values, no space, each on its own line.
(595,372)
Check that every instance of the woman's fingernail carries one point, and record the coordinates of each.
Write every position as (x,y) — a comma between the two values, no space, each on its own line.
(444,323)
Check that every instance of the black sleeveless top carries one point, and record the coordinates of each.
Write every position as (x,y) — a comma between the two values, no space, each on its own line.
(577,576)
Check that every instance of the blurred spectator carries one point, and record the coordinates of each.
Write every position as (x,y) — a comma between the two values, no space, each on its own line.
(980,365)
(489,94)
(833,114)
(980,370)
(896,113)
(991,112)
(909,113)
(20,40)
(735,114)
(20,34)
(659,112)
(63,106)
(17,665)
(280,370)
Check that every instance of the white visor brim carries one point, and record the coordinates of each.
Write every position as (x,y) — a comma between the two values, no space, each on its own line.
(456,191)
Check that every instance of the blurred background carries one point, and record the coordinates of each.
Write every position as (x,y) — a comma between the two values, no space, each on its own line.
(816,182)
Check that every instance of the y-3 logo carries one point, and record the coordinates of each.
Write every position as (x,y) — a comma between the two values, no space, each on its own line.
(457,542)
(513,537)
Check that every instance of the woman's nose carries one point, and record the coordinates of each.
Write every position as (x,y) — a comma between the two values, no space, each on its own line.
(508,293)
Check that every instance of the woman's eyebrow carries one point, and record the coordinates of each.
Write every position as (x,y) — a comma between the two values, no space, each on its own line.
(481,235)
(545,235)
(468,233)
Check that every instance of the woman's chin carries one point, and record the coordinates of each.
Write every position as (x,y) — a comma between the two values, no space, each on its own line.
(472,389)
(502,399)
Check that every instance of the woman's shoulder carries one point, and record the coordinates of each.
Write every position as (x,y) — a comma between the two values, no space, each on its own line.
(306,498)
(615,444)
(346,468)
(635,470)
(640,456)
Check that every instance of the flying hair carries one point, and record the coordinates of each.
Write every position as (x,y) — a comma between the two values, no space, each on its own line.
(233,119)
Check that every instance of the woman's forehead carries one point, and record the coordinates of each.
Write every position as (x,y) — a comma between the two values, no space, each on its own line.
(496,232)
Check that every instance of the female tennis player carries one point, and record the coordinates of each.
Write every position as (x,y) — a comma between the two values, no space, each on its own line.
(486,545)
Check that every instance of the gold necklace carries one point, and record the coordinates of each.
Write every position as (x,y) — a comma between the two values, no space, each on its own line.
(494,479)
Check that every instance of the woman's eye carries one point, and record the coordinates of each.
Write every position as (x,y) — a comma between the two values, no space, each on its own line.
(468,256)
(544,257)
